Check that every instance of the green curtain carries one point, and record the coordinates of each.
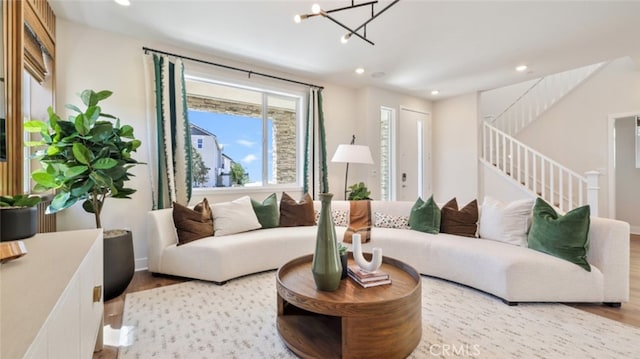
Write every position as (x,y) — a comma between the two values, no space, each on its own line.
(170,137)
(315,147)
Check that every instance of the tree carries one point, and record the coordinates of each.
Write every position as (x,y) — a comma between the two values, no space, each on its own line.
(238,174)
(199,171)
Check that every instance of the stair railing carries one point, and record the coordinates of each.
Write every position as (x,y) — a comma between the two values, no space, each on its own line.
(539,97)
(546,178)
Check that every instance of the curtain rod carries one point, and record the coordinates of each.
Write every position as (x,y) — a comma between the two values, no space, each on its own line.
(146,49)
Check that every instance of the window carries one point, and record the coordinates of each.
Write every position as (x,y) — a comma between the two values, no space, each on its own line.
(243,136)
(387,126)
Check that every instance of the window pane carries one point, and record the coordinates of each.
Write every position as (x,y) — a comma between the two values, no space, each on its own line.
(235,143)
(386,132)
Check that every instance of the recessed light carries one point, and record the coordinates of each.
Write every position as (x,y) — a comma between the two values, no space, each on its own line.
(435,92)
(123,2)
(359,70)
(521,68)
(378,74)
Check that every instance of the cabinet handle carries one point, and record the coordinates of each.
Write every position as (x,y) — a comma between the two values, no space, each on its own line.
(97,293)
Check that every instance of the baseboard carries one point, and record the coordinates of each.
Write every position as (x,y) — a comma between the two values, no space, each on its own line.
(635,229)
(141,264)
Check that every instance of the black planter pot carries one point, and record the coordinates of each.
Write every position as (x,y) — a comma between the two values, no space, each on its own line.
(343,259)
(18,223)
(119,264)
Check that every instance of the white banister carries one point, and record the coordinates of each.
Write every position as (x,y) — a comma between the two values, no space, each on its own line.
(592,191)
(556,184)
(539,97)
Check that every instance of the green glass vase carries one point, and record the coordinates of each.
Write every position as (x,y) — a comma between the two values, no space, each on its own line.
(326,266)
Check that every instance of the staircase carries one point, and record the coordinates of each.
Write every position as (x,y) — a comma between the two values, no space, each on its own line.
(539,174)
(540,97)
(521,164)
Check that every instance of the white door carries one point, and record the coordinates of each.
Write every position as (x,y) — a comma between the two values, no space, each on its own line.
(413,155)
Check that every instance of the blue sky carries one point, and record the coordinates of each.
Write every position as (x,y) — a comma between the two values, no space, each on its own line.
(241,137)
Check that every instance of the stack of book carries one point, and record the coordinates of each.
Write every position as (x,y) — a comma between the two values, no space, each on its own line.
(368,279)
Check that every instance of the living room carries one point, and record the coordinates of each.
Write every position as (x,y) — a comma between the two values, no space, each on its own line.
(92,57)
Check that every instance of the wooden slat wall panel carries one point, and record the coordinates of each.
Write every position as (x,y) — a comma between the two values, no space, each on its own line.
(11,171)
(46,222)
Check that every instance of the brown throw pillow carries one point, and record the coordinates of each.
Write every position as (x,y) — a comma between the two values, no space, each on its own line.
(192,224)
(462,222)
(293,213)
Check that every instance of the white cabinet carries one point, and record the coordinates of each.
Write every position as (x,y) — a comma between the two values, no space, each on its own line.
(51,302)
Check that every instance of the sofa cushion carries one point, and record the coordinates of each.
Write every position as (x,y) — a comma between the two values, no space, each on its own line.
(234,217)
(267,211)
(384,220)
(505,222)
(425,216)
(463,222)
(192,224)
(565,237)
(294,213)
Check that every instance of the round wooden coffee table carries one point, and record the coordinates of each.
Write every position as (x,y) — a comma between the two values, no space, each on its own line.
(351,322)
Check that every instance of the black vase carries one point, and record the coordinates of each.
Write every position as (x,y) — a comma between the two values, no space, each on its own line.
(18,223)
(118,263)
(343,259)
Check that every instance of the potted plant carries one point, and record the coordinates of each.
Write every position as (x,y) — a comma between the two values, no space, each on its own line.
(87,158)
(18,217)
(342,250)
(358,192)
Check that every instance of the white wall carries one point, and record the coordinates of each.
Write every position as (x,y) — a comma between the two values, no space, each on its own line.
(89,58)
(574,131)
(627,176)
(455,149)
(367,131)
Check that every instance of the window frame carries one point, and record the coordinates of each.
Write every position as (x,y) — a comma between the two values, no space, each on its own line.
(266,90)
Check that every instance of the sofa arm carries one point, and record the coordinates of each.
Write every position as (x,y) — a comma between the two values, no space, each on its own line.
(609,251)
(161,232)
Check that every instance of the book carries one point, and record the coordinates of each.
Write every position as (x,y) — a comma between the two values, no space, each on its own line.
(365,276)
(370,283)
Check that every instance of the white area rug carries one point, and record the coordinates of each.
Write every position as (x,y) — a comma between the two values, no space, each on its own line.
(203,320)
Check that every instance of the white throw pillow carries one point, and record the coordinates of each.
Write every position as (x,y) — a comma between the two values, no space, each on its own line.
(506,222)
(234,217)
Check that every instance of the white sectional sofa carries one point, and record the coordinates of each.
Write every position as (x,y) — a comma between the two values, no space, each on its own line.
(510,272)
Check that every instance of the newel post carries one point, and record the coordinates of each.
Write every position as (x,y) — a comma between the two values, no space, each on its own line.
(592,191)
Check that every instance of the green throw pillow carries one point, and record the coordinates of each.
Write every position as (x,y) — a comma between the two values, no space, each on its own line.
(267,211)
(565,237)
(425,216)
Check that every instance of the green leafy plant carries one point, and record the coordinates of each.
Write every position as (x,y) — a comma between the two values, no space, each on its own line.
(342,249)
(358,192)
(238,174)
(19,200)
(86,158)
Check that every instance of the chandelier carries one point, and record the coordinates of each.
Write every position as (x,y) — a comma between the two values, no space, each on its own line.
(316,10)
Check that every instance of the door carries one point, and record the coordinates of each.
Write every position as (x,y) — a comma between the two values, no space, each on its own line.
(413,155)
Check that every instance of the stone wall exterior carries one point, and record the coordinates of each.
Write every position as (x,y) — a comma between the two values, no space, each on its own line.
(284,137)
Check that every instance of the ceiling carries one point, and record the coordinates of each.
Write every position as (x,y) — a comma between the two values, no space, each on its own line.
(454,47)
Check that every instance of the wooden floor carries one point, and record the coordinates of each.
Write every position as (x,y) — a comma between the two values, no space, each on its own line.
(629,313)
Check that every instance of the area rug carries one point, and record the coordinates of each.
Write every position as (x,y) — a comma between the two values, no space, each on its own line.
(202,320)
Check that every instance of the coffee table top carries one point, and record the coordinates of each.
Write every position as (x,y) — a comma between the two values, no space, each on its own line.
(296,285)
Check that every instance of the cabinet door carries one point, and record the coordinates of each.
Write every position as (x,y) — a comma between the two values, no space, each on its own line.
(91,310)
(63,329)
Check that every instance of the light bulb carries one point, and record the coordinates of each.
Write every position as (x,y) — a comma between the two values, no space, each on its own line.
(297,19)
(123,2)
(315,8)
(345,38)
(522,68)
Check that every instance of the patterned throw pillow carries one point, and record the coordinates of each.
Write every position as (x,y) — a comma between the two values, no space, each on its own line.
(340,217)
(383,220)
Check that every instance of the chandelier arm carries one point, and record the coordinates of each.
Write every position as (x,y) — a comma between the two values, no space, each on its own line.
(348,29)
(375,16)
(351,7)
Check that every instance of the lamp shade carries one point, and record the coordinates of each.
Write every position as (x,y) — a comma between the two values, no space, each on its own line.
(352,154)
